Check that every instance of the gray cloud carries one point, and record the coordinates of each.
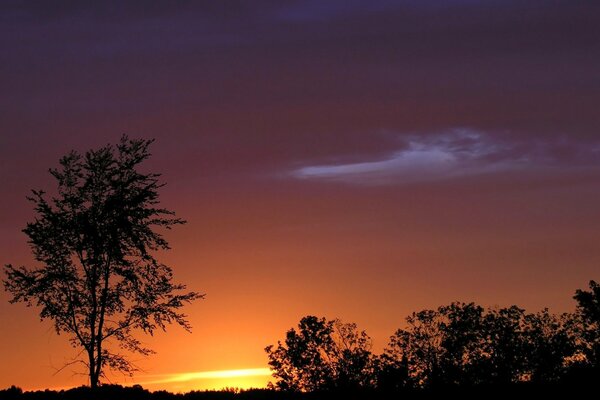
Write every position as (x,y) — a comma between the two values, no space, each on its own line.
(457,153)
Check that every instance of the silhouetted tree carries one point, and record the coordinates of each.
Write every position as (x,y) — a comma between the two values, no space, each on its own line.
(503,353)
(303,362)
(463,342)
(321,355)
(96,238)
(391,371)
(11,393)
(418,347)
(550,341)
(464,345)
(354,366)
(456,346)
(446,346)
(588,307)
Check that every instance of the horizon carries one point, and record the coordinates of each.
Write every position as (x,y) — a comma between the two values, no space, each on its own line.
(357,160)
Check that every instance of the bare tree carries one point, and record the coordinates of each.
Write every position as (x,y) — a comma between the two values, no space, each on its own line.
(96,239)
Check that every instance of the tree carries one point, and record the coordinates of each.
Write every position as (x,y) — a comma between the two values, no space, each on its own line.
(96,239)
(303,362)
(550,341)
(417,348)
(588,307)
(505,353)
(391,372)
(354,360)
(464,345)
(462,338)
(321,355)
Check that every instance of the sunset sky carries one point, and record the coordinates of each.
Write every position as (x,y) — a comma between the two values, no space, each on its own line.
(352,159)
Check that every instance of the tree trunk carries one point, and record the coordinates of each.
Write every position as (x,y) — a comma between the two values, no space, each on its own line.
(92,368)
(93,381)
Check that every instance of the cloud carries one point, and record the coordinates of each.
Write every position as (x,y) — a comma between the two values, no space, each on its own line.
(456,153)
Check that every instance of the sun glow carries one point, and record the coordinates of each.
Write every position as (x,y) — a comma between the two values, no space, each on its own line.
(239,378)
(228,373)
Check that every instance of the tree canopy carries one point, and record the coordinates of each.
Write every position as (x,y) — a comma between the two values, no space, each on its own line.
(459,345)
(321,355)
(588,306)
(96,241)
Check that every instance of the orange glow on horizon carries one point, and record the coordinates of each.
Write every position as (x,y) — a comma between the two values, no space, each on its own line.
(208,380)
(182,382)
(228,373)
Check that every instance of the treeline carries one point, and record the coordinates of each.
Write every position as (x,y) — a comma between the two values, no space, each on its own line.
(460,349)
(460,345)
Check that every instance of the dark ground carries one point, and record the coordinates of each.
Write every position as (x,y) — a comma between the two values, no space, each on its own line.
(570,390)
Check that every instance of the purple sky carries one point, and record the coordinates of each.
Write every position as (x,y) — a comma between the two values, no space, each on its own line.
(415,152)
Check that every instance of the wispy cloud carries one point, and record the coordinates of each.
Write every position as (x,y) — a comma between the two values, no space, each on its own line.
(455,153)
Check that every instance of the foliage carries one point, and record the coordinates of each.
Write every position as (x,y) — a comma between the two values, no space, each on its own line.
(551,344)
(99,280)
(459,345)
(418,348)
(588,307)
(464,345)
(321,355)
(503,358)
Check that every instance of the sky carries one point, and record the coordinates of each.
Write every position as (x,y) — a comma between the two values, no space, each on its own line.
(349,159)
